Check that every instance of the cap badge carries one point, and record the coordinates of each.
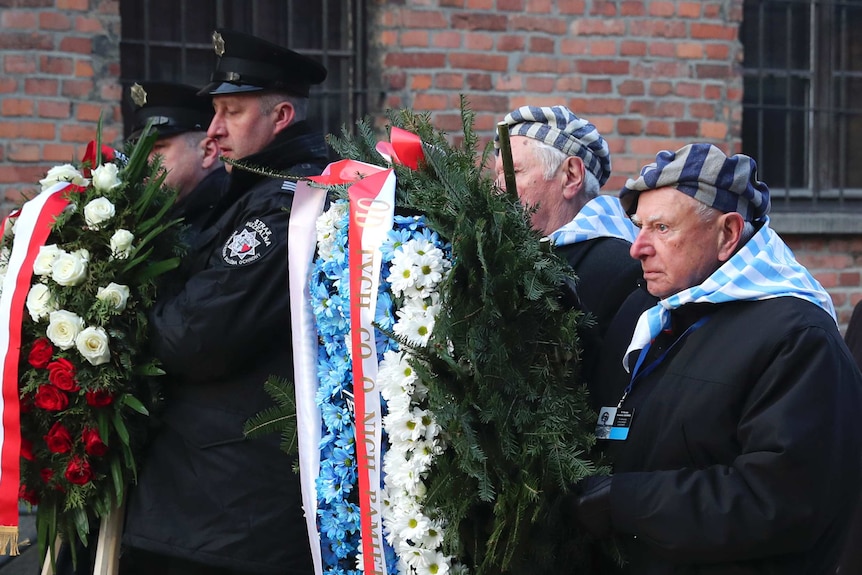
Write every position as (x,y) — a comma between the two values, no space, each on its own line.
(139,95)
(218,44)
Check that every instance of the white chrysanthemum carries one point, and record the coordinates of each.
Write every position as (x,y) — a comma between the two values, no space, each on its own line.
(412,525)
(327,229)
(435,564)
(92,343)
(433,537)
(44,262)
(415,327)
(403,271)
(98,211)
(423,454)
(65,173)
(400,426)
(106,177)
(63,327)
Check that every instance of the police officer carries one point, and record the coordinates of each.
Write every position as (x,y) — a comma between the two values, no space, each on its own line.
(180,118)
(209,500)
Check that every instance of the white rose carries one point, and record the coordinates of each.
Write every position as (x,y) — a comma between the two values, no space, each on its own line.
(64,173)
(70,269)
(105,178)
(39,301)
(92,342)
(115,294)
(121,244)
(44,261)
(63,328)
(98,211)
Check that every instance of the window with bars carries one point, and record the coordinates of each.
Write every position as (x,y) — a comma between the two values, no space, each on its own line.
(802,117)
(170,40)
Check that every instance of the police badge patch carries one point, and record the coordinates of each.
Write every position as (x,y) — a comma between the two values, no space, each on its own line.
(248,244)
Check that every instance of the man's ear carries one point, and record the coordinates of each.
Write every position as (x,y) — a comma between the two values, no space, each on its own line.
(210,153)
(573,176)
(730,229)
(284,115)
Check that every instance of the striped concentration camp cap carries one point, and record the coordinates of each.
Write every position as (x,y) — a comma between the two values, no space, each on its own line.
(557,126)
(704,172)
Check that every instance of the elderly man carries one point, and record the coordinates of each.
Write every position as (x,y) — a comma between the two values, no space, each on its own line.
(737,439)
(561,161)
(209,500)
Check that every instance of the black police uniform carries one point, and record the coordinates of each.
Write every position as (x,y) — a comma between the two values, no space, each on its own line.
(206,494)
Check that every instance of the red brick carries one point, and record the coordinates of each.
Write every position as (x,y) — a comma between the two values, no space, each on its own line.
(448,122)
(542,64)
(541,84)
(77,133)
(716,130)
(603,67)
(54,21)
(76,45)
(395,80)
(509,83)
(479,42)
(26,41)
(689,50)
(633,48)
(662,8)
(574,46)
(16,107)
(89,25)
(27,130)
(60,109)
(599,27)
(658,128)
(414,38)
(717,51)
(479,81)
(660,88)
(489,103)
(510,43)
(447,39)
(596,106)
(662,28)
(705,111)
(427,101)
(599,86)
(19,64)
(603,48)
(41,87)
(539,7)
(670,109)
(642,107)
(649,147)
(449,81)
(557,26)
(851,279)
(452,3)
(479,21)
(629,127)
(631,88)
(662,49)
(56,65)
(629,8)
(705,31)
(420,82)
(571,6)
(8,85)
(690,90)
(11,174)
(415,60)
(480,4)
(543,45)
(80,5)
(688,9)
(18,19)
(604,8)
(77,88)
(510,5)
(685,129)
(24,153)
(472,62)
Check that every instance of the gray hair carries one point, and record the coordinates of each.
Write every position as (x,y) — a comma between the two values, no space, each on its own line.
(552,158)
(269,100)
(707,214)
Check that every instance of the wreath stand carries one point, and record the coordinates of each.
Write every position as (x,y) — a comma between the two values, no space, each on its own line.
(107,561)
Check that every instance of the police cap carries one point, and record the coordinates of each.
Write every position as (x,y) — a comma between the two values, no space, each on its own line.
(247,63)
(173,108)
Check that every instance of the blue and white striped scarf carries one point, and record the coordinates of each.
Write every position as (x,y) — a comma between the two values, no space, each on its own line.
(601,217)
(764,268)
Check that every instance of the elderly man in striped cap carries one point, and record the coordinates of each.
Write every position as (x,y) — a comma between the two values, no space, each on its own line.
(561,161)
(736,441)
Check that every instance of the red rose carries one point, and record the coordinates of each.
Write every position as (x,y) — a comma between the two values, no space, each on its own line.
(61,373)
(40,353)
(58,439)
(28,495)
(78,471)
(99,398)
(46,473)
(50,398)
(93,443)
(27,449)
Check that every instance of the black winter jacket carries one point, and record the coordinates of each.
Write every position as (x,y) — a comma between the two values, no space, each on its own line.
(743,455)
(206,493)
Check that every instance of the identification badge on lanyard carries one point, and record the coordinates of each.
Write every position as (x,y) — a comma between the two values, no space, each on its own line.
(614,423)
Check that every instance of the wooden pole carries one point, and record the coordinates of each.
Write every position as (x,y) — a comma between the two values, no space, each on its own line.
(108,548)
(506,157)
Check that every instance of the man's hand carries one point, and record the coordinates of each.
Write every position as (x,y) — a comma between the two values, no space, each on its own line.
(589,504)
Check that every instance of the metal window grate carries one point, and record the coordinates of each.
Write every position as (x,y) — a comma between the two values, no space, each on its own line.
(802,66)
(170,40)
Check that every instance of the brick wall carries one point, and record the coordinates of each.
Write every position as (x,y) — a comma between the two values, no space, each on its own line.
(60,71)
